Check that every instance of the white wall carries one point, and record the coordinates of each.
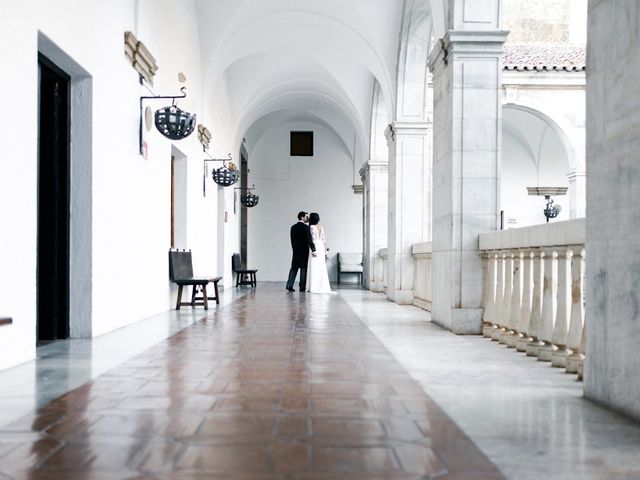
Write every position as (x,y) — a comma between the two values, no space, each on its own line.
(130,196)
(286,185)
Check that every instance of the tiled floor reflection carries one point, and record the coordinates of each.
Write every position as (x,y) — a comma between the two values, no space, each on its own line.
(272,386)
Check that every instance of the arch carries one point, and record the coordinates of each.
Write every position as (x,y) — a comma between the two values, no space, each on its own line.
(273,99)
(240,42)
(413,54)
(532,140)
(571,139)
(288,115)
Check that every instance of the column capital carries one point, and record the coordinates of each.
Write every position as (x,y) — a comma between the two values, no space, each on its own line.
(466,42)
(410,128)
(575,173)
(373,166)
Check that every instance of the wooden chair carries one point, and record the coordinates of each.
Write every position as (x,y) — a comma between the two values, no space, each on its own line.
(350,264)
(244,276)
(181,273)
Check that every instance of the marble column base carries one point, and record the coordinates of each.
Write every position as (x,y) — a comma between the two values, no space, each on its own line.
(545,352)
(533,347)
(559,357)
(574,361)
(581,371)
(521,343)
(376,286)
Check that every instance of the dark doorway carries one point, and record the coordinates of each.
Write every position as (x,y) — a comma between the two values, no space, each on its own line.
(53,203)
(244,214)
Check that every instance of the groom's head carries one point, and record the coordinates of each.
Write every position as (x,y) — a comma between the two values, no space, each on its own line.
(302,216)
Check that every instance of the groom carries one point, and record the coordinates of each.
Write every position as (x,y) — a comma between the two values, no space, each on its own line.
(300,243)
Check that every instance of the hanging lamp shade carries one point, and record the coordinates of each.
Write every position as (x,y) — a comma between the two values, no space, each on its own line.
(249,200)
(174,123)
(224,176)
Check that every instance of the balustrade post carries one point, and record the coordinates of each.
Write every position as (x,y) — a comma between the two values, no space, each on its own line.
(525,307)
(583,342)
(576,326)
(497,320)
(563,314)
(489,293)
(549,305)
(505,308)
(511,336)
(535,323)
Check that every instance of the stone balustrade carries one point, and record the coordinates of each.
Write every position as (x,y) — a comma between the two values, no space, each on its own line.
(533,292)
(422,275)
(384,268)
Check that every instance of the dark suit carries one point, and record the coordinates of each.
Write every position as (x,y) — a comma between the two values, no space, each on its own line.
(301,242)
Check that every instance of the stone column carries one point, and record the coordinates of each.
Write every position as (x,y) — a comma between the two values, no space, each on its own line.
(577,193)
(375,180)
(409,202)
(466,69)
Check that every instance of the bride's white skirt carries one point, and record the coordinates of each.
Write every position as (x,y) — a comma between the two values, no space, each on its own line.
(317,275)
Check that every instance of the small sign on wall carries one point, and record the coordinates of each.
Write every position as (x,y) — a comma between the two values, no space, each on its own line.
(226,216)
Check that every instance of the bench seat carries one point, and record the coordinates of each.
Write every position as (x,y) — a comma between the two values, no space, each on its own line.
(181,273)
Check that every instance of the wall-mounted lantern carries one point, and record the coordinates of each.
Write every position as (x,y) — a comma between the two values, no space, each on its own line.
(225,176)
(550,210)
(170,121)
(247,198)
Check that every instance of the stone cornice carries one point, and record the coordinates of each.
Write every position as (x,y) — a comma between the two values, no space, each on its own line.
(373,166)
(466,42)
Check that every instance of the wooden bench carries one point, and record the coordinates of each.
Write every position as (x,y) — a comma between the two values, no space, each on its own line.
(244,276)
(350,264)
(181,273)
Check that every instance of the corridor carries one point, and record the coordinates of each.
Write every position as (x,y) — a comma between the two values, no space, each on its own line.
(281,386)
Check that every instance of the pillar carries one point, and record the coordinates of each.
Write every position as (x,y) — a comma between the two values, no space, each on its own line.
(409,202)
(466,69)
(374,176)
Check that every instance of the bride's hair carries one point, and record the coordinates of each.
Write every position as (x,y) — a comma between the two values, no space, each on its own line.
(314,218)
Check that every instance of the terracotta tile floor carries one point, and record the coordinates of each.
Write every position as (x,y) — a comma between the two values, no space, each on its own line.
(273,386)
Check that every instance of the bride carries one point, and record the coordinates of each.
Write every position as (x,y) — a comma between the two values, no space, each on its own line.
(317,276)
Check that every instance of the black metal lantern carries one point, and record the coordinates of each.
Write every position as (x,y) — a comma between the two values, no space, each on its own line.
(550,211)
(224,176)
(249,200)
(174,123)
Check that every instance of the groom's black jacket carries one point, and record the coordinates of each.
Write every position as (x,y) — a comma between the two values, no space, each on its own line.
(301,242)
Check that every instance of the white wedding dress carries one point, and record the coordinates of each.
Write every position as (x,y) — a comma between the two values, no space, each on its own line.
(317,275)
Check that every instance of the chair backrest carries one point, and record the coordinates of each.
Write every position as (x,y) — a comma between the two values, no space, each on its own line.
(180,266)
(348,258)
(235,262)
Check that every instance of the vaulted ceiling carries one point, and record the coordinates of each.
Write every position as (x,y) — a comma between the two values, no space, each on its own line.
(313,60)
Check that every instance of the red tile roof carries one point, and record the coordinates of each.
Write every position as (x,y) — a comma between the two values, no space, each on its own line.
(544,57)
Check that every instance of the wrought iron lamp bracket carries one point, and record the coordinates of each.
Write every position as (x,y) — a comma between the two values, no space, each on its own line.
(156,97)
(204,169)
